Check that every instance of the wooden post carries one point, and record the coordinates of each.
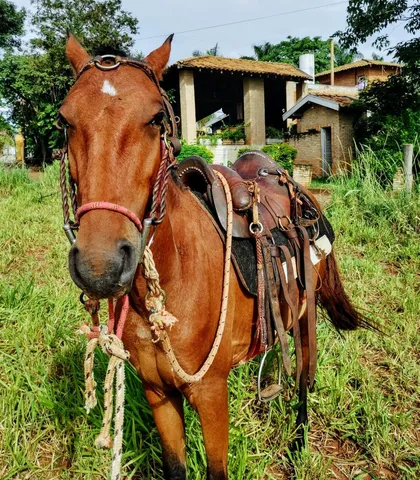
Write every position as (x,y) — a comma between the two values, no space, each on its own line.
(408,166)
(332,61)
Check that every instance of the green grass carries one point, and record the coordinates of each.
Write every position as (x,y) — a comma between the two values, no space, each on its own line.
(364,412)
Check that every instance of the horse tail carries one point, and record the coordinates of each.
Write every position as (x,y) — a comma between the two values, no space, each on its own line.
(333,299)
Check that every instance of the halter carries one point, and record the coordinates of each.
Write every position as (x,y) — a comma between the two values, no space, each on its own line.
(170,147)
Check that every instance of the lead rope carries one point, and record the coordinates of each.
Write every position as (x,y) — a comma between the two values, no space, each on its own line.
(113,346)
(160,319)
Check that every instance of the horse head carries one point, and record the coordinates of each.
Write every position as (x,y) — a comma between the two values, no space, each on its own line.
(115,116)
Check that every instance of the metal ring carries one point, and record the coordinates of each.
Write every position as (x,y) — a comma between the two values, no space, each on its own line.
(107,67)
(82,298)
(258,228)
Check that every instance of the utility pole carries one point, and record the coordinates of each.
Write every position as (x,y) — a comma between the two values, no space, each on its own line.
(332,61)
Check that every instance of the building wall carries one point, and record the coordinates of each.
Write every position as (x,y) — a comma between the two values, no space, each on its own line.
(350,78)
(307,141)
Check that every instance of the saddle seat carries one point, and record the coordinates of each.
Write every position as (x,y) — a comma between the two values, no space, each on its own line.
(196,174)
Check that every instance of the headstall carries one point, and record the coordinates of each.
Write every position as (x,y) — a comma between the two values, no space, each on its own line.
(170,147)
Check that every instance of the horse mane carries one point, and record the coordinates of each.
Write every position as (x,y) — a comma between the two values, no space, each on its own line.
(110,50)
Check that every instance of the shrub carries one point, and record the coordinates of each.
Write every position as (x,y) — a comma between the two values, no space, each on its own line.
(282,153)
(234,133)
(271,132)
(387,143)
(200,150)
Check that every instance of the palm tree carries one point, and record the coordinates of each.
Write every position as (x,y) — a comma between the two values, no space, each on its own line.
(211,52)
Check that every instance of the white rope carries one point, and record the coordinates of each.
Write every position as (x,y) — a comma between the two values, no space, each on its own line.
(114,348)
(160,319)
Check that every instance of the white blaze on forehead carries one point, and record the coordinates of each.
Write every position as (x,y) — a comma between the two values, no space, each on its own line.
(108,89)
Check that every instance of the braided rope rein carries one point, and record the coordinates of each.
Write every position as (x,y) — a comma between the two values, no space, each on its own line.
(160,319)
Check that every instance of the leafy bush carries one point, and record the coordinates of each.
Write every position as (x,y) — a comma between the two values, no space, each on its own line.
(271,132)
(387,143)
(282,153)
(200,150)
(234,133)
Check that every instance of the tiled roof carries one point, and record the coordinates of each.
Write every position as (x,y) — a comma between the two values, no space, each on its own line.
(358,64)
(342,100)
(240,65)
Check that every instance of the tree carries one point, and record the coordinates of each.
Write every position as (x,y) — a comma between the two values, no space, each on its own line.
(370,17)
(212,52)
(96,24)
(289,51)
(34,84)
(11,24)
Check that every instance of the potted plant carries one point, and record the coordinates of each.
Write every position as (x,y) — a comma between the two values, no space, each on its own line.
(273,135)
(234,134)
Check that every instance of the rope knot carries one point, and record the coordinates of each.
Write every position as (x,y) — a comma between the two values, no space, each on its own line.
(159,321)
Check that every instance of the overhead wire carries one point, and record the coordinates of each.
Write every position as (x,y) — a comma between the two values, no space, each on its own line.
(246,20)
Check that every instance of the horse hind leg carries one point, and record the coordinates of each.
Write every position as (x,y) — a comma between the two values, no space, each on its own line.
(168,414)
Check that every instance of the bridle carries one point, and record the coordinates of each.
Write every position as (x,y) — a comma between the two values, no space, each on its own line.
(170,147)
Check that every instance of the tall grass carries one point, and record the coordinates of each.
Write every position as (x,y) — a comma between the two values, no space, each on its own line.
(364,411)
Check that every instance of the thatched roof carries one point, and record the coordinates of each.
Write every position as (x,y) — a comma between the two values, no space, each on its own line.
(249,67)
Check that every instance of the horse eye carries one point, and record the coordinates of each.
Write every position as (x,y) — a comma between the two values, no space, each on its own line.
(61,123)
(157,119)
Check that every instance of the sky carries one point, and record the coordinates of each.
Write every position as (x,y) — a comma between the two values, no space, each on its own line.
(159,18)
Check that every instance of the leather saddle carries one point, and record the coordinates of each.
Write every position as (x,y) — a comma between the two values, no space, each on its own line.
(193,172)
(261,189)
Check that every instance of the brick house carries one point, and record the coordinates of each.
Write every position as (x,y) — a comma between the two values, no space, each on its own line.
(360,73)
(324,132)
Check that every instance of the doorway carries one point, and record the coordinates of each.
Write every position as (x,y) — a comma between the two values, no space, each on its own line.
(326,149)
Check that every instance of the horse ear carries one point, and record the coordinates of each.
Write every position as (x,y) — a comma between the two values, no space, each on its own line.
(76,54)
(159,57)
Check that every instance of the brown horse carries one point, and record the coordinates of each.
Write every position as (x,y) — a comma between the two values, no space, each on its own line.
(113,119)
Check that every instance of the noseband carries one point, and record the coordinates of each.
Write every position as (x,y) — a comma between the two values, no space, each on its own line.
(170,147)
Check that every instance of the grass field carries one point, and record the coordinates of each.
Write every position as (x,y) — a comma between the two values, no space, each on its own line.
(364,411)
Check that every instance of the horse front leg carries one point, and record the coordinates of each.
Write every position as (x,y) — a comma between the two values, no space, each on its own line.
(210,399)
(168,414)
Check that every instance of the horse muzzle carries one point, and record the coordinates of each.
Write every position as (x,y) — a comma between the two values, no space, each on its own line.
(103,273)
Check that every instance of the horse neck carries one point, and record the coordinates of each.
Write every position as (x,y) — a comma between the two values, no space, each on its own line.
(179,239)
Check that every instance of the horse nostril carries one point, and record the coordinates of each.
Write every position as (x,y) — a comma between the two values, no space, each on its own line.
(74,260)
(128,256)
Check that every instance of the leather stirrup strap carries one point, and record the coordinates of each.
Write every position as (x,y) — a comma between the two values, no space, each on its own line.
(275,305)
(261,289)
(293,295)
(310,303)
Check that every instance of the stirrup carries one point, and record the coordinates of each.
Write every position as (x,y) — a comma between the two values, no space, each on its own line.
(272,391)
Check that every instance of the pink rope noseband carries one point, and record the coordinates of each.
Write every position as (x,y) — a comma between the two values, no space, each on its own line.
(113,207)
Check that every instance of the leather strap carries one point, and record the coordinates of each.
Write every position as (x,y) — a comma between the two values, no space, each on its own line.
(275,305)
(310,304)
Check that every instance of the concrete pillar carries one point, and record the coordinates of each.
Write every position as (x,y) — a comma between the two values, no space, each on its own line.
(254,111)
(187,97)
(290,95)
